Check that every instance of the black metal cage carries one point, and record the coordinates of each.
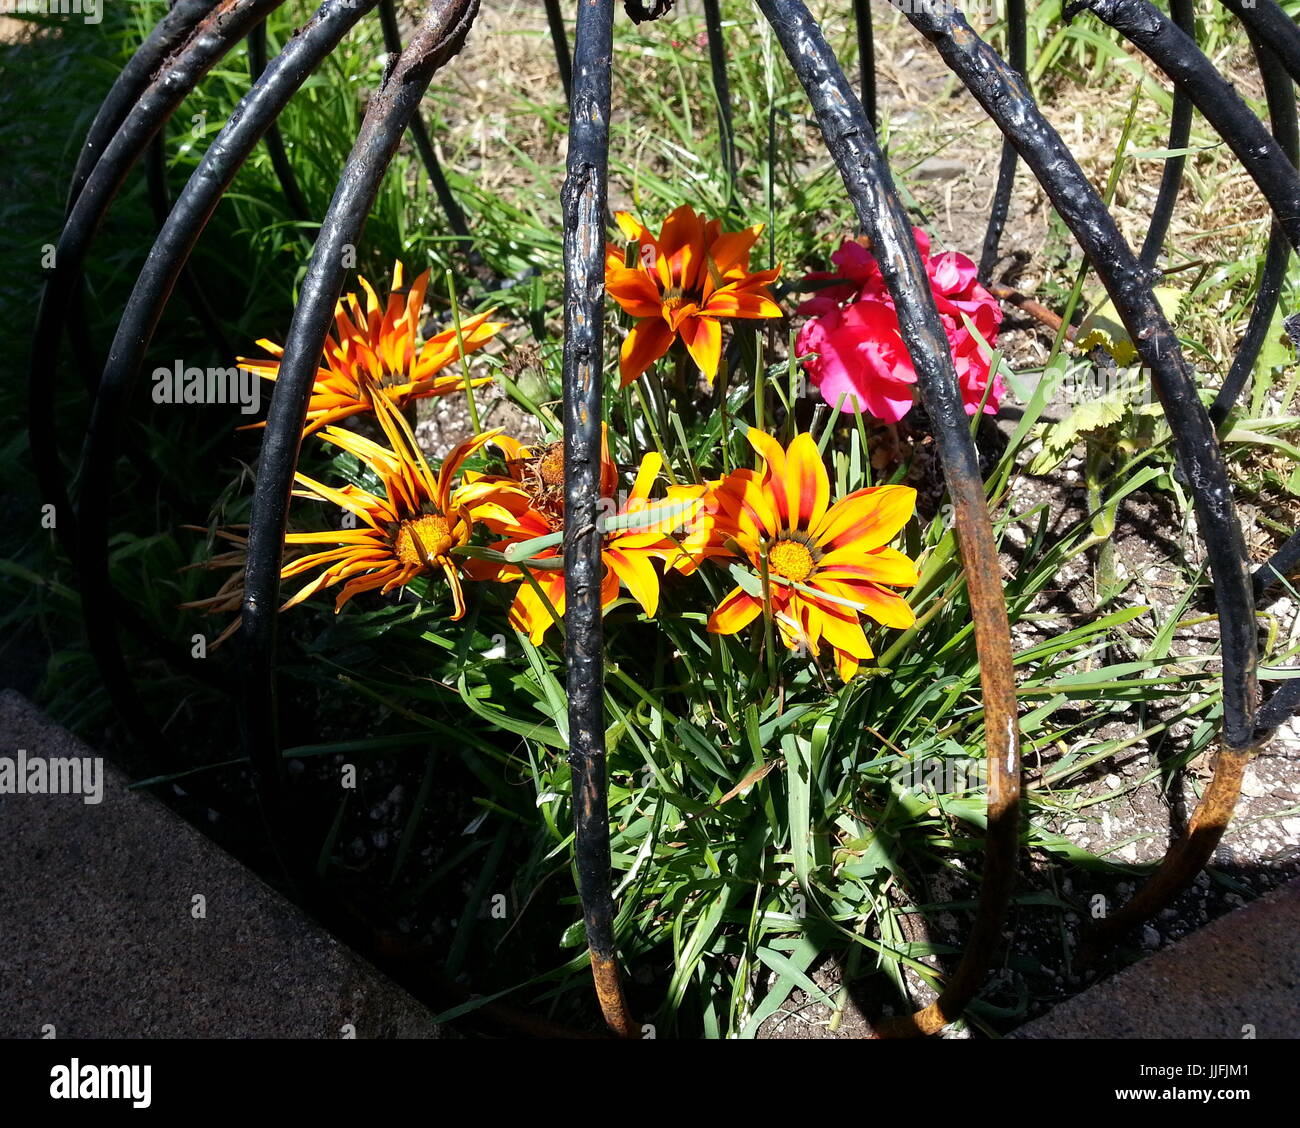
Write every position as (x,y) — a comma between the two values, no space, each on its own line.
(196,34)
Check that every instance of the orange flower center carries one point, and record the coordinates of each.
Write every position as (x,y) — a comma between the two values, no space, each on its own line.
(790,559)
(678,306)
(551,466)
(423,539)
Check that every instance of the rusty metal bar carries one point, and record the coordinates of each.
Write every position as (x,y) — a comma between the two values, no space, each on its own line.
(852,144)
(1003,96)
(584,199)
(440,35)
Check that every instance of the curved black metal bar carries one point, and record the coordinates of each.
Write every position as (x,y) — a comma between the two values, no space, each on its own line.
(867,58)
(160,201)
(560,41)
(162,269)
(440,34)
(1280,707)
(274,142)
(1130,288)
(853,146)
(721,89)
(1019,53)
(420,135)
(1274,27)
(1282,116)
(171,31)
(584,199)
(1148,29)
(1274,570)
(1006,100)
(1180,132)
(229,22)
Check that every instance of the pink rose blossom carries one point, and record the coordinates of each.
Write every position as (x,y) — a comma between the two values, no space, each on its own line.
(852,326)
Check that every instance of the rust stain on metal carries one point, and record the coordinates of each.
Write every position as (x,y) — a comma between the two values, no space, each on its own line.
(1187,856)
(609,990)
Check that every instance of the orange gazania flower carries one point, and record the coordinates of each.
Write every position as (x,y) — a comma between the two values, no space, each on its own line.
(376,346)
(681,284)
(409,531)
(826,564)
(641,533)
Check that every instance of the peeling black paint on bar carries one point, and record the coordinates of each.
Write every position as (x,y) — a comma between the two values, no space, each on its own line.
(196,33)
(1279,708)
(1148,29)
(852,145)
(1130,288)
(1019,56)
(1180,132)
(440,35)
(1272,571)
(584,200)
(181,229)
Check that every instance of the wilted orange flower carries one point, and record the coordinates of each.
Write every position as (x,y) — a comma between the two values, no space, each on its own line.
(826,563)
(230,596)
(639,533)
(681,284)
(377,345)
(408,532)
(540,474)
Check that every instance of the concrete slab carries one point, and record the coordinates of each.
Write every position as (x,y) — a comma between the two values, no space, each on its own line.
(1237,977)
(101,935)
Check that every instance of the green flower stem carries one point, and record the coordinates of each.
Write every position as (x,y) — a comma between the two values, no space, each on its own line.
(464,360)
